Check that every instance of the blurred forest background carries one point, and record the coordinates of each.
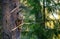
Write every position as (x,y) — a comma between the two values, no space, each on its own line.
(41,18)
(0,19)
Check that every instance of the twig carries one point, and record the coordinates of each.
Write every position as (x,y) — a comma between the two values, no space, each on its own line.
(16,27)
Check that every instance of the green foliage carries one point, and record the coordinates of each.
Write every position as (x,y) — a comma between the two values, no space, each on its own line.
(37,28)
(36,6)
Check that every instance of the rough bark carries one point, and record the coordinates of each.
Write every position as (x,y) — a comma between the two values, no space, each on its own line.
(9,19)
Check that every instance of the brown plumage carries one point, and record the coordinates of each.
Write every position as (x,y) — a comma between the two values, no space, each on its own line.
(19,21)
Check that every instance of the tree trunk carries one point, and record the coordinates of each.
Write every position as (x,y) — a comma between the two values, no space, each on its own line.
(9,19)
